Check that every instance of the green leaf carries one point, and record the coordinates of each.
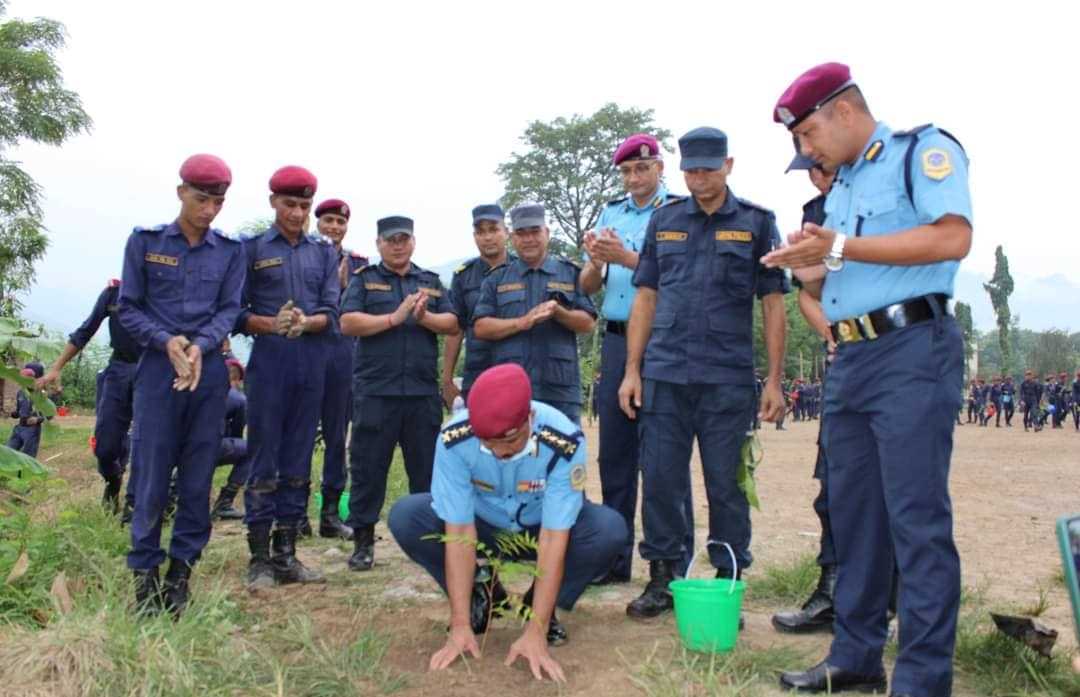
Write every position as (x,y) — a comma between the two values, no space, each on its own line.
(750,457)
(41,402)
(17,465)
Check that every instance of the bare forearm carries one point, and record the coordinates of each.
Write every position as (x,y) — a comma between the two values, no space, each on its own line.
(460,568)
(69,352)
(947,239)
(814,315)
(640,327)
(363,324)
(440,322)
(591,278)
(494,329)
(451,351)
(316,324)
(577,321)
(261,324)
(774,318)
(550,563)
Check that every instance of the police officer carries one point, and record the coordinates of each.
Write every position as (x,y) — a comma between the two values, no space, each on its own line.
(113,413)
(179,297)
(397,309)
(1008,399)
(1076,401)
(995,399)
(532,311)
(1061,399)
(291,309)
(26,434)
(508,464)
(489,234)
(234,446)
(692,323)
(973,400)
(612,258)
(333,224)
(1030,395)
(893,237)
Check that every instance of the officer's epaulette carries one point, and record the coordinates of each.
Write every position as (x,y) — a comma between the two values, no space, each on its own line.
(751,204)
(466,264)
(455,433)
(362,269)
(150,228)
(621,199)
(672,198)
(562,443)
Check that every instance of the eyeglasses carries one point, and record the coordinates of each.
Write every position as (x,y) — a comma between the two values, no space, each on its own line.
(640,167)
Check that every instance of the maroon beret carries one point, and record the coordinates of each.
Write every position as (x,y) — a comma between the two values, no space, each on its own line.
(333,205)
(207,173)
(291,180)
(810,92)
(499,401)
(640,146)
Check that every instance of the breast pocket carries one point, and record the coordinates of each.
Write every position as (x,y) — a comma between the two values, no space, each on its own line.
(735,268)
(313,280)
(671,256)
(878,213)
(380,302)
(209,283)
(164,282)
(510,304)
(561,367)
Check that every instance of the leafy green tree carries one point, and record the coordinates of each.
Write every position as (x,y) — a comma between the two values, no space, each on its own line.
(1052,352)
(566,166)
(967,327)
(1000,288)
(34,106)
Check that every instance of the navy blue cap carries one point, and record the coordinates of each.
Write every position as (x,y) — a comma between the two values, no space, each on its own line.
(488,211)
(393,225)
(801,161)
(36,367)
(528,215)
(703,148)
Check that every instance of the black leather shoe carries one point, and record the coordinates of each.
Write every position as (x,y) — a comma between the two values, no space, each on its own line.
(488,598)
(656,599)
(287,568)
(303,528)
(816,614)
(110,498)
(176,587)
(363,557)
(826,678)
(148,598)
(330,523)
(609,579)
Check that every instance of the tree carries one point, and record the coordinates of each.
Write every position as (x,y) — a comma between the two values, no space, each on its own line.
(1000,288)
(567,166)
(34,106)
(1052,352)
(967,326)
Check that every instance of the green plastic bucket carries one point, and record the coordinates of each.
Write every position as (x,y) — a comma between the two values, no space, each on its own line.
(707,610)
(343,505)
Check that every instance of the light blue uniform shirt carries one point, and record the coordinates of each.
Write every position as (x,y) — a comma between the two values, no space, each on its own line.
(544,487)
(870,197)
(629,222)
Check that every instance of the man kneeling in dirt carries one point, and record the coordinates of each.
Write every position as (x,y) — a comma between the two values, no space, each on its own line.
(507,465)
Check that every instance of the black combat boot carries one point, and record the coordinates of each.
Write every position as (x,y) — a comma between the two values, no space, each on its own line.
(260,574)
(110,499)
(330,523)
(816,614)
(129,511)
(363,557)
(176,586)
(287,568)
(488,597)
(826,678)
(556,633)
(656,599)
(223,507)
(148,598)
(304,529)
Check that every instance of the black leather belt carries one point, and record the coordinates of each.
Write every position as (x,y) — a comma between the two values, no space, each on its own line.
(614,327)
(884,320)
(123,357)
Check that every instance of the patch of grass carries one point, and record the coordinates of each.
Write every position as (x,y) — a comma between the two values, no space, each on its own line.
(1041,605)
(785,585)
(673,671)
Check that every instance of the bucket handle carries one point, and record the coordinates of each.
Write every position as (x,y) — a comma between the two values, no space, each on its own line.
(734,564)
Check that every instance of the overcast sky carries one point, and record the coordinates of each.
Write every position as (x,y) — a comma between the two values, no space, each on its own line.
(407,108)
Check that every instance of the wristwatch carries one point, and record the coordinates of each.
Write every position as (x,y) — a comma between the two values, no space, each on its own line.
(834,261)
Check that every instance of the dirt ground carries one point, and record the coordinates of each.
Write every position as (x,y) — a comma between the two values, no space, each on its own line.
(1007,486)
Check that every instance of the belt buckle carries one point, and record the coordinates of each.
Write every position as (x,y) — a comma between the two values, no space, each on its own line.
(849,330)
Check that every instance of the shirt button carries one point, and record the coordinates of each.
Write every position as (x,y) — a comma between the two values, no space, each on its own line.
(834,301)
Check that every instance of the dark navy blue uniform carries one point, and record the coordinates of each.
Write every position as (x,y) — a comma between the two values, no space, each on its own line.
(234,450)
(115,388)
(464,294)
(285,377)
(25,435)
(395,388)
(548,351)
(337,398)
(1008,401)
(698,369)
(171,289)
(1030,394)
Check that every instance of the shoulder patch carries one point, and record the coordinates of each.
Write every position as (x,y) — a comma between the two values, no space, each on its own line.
(578,477)
(936,164)
(456,433)
(565,445)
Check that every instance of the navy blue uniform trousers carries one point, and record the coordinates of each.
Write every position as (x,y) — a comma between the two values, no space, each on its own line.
(25,439)
(888,433)
(595,539)
(379,425)
(619,454)
(234,451)
(284,382)
(672,416)
(114,413)
(178,431)
(336,413)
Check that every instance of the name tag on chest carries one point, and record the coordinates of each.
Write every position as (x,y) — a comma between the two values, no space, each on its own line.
(431,292)
(378,286)
(162,259)
(268,263)
(509,287)
(671,236)
(734,236)
(531,486)
(556,285)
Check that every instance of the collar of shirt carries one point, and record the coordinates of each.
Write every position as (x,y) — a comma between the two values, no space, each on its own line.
(387,271)
(549,266)
(274,232)
(174,230)
(882,133)
(729,207)
(655,200)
